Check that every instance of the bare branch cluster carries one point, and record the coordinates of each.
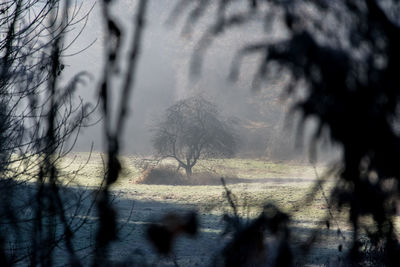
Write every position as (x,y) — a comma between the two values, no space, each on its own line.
(40,121)
(193,128)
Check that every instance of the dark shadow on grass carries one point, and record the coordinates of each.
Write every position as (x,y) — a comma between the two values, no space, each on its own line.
(134,216)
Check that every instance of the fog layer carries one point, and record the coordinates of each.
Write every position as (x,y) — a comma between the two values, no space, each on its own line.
(163,77)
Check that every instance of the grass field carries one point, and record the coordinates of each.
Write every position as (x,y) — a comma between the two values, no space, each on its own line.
(253,182)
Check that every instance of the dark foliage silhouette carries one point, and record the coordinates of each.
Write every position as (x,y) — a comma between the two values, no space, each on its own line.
(113,129)
(163,235)
(247,246)
(345,54)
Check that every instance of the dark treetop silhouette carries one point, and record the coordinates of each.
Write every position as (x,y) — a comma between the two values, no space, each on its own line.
(346,54)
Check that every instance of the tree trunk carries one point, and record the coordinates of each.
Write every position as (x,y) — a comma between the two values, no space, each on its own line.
(188,167)
(188,170)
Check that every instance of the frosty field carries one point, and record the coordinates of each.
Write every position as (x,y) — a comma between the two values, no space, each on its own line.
(254,184)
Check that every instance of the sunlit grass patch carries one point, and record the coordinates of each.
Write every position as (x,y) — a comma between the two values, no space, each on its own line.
(261,182)
(258,168)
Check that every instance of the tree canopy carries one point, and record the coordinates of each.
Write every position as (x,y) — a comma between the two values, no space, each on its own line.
(193,128)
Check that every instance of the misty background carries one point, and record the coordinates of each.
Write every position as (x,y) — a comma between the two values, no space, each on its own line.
(264,124)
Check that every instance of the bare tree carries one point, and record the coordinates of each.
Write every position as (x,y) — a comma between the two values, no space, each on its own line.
(40,121)
(193,128)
